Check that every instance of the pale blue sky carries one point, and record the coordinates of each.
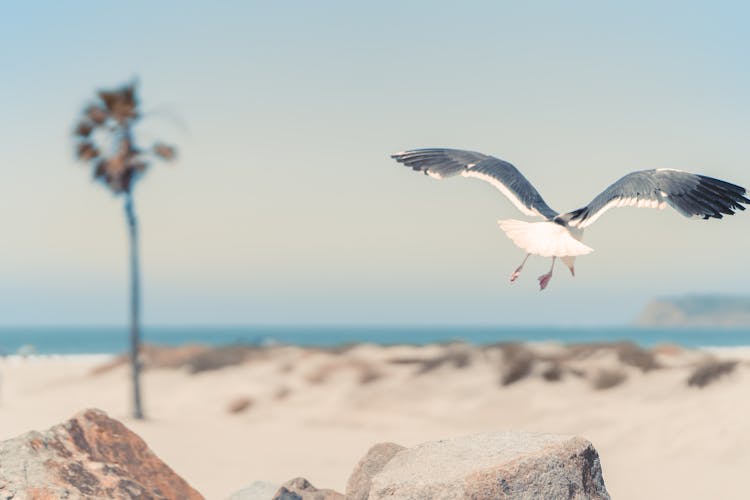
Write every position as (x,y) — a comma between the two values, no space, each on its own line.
(284,206)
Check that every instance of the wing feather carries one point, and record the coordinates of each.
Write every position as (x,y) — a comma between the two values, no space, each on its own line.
(440,163)
(692,195)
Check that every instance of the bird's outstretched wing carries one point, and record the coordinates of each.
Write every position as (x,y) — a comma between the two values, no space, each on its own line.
(690,194)
(440,163)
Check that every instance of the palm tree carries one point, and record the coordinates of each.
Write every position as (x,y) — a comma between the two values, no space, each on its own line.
(104,140)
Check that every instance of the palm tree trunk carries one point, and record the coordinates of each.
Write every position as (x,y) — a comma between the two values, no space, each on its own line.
(135,313)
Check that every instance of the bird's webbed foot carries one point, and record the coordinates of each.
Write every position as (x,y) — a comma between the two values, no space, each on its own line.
(545,278)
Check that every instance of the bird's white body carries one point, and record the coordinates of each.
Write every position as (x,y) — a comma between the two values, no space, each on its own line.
(546,239)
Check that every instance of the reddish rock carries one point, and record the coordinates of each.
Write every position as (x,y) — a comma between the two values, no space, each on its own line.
(89,456)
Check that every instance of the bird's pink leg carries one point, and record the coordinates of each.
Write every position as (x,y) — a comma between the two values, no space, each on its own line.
(517,272)
(544,278)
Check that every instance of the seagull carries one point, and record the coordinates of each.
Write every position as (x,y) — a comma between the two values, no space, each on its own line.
(560,235)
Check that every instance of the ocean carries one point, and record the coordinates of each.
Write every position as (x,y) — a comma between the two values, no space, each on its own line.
(111,340)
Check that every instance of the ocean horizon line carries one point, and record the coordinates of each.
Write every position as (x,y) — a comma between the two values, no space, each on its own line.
(364,325)
(114,339)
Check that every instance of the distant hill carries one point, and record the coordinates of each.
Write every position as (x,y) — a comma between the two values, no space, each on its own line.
(697,310)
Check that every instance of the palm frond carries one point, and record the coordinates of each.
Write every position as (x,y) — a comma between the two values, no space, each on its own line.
(84,128)
(164,151)
(86,151)
(121,103)
(97,114)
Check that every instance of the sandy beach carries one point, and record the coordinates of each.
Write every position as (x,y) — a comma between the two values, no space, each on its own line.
(314,413)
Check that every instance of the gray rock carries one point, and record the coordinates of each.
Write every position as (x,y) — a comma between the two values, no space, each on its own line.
(504,465)
(358,486)
(259,490)
(300,488)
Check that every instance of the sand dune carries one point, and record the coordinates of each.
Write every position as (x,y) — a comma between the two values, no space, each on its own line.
(314,413)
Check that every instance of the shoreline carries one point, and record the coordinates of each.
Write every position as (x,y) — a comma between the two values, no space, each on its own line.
(108,356)
(110,340)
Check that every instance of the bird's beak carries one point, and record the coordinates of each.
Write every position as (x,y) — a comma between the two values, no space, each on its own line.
(573,271)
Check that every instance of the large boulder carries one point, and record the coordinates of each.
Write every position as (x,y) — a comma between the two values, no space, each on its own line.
(503,465)
(89,456)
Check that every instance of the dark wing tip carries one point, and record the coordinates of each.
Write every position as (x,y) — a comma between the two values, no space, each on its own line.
(723,185)
(412,155)
(411,158)
(436,162)
(719,197)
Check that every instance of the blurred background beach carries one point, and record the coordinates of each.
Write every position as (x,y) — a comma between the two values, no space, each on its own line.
(366,303)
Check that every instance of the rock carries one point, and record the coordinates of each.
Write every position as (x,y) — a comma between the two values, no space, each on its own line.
(259,490)
(300,488)
(505,465)
(89,456)
(358,486)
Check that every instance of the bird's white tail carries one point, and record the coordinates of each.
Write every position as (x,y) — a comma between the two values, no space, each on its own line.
(547,239)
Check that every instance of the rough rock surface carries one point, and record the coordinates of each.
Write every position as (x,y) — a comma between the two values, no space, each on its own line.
(358,486)
(300,488)
(90,456)
(504,465)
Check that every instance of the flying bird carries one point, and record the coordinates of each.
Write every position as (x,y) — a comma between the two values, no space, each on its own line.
(560,235)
